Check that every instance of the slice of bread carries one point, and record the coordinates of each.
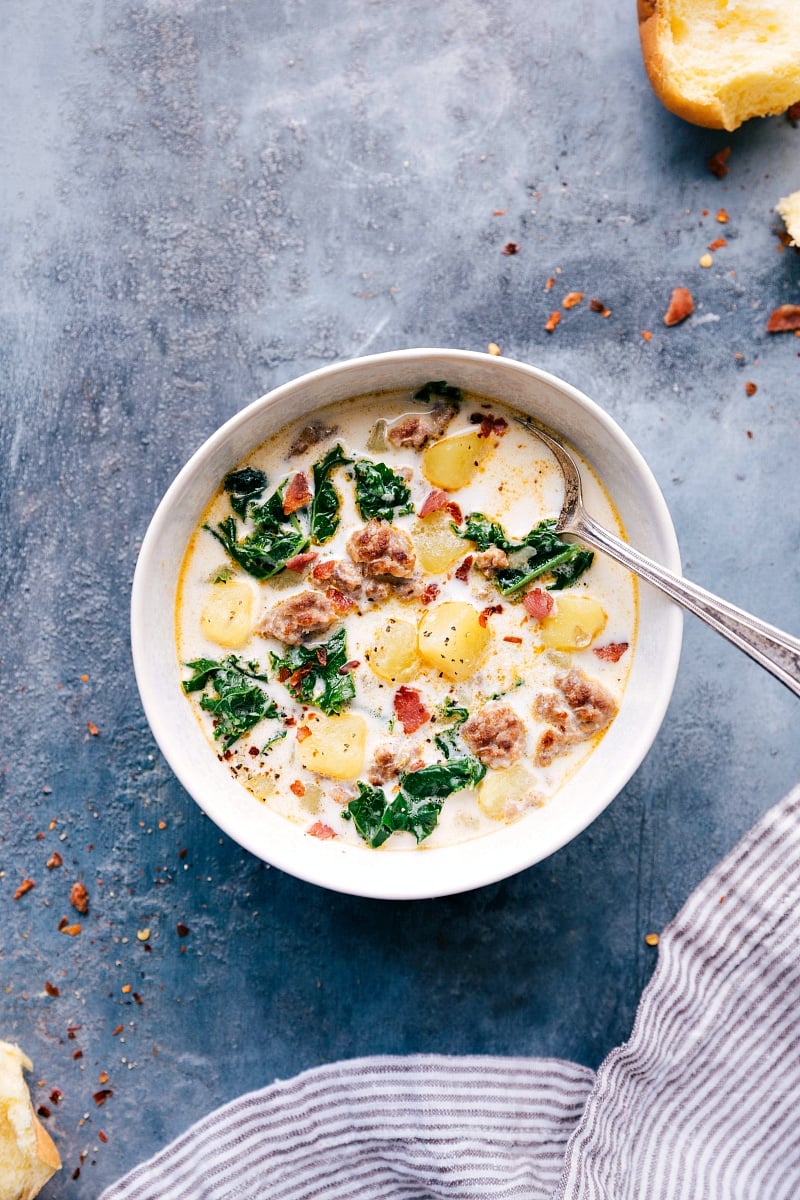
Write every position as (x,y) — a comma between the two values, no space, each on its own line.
(28,1157)
(720,62)
(789,209)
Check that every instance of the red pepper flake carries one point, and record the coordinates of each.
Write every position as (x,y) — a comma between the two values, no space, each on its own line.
(303,732)
(300,561)
(76,1054)
(117,1030)
(572,299)
(101,1096)
(718,163)
(430,593)
(103,1136)
(297,494)
(93,730)
(298,787)
(322,831)
(538,603)
(183,930)
(613,652)
(551,283)
(324,570)
(254,751)
(56,1096)
(76,1174)
(598,307)
(349,666)
(784,319)
(511,248)
(51,989)
(517,641)
(136,995)
(718,243)
(681,306)
(499,212)
(750,388)
(322,656)
(463,569)
(792,114)
(79,898)
(410,709)
(72,1030)
(552,321)
(483,617)
(27,885)
(43,1111)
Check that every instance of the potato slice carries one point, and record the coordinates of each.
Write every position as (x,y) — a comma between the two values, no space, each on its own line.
(574,622)
(227,617)
(436,545)
(452,462)
(393,655)
(500,789)
(452,639)
(334,746)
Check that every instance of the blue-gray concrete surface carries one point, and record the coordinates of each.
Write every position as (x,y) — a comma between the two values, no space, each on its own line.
(201,201)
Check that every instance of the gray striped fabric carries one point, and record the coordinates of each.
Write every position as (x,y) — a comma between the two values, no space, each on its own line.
(700,1104)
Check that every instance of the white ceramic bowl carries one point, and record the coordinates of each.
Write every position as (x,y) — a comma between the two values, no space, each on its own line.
(424,873)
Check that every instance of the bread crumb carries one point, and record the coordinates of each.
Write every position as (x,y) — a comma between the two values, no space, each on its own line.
(552,321)
(706,260)
(681,306)
(789,209)
(572,299)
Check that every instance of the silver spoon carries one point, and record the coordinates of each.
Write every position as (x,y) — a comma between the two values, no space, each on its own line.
(777,651)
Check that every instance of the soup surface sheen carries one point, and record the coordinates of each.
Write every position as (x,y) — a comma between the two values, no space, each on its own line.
(381,634)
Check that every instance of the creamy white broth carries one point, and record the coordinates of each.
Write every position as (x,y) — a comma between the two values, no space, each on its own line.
(517,485)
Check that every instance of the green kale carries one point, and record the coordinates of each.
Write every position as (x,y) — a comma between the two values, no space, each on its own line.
(551,556)
(274,539)
(318,674)
(380,492)
(326,503)
(416,807)
(237,702)
(455,716)
(437,389)
(244,486)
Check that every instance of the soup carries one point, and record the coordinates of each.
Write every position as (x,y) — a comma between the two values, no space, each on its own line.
(382,635)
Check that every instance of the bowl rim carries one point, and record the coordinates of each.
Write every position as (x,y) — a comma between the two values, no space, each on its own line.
(336,865)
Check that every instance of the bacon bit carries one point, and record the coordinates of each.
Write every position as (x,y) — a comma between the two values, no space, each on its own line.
(93,730)
(784,319)
(183,930)
(437,500)
(430,593)
(298,787)
(115,1033)
(283,674)
(572,299)
(103,1136)
(538,603)
(511,248)
(489,424)
(718,243)
(483,617)
(27,885)
(296,677)
(613,652)
(303,732)
(493,348)
(723,217)
(301,561)
(792,114)
(462,570)
(551,283)
(499,212)
(647,335)
(340,601)
(410,710)
(76,1054)
(598,307)
(51,989)
(297,494)
(70,930)
(750,388)
(322,656)
(516,640)
(681,306)
(552,321)
(322,831)
(79,898)
(717,164)
(43,1111)
(101,1096)
(324,570)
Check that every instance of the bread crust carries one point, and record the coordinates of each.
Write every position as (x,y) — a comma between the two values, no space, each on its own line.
(650,16)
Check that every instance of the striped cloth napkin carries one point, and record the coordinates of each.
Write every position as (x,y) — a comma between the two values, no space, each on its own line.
(702,1103)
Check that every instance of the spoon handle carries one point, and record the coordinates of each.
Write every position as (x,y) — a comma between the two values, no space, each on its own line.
(777,651)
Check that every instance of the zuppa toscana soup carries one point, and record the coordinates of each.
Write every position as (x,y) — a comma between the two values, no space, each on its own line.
(381,633)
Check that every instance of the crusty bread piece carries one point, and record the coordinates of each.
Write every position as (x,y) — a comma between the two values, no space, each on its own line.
(789,209)
(719,62)
(28,1156)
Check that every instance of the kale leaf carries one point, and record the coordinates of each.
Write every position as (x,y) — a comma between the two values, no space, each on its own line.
(437,389)
(318,674)
(237,701)
(274,539)
(551,556)
(244,486)
(326,503)
(416,807)
(380,491)
(455,715)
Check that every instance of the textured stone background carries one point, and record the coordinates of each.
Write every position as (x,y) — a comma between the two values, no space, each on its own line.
(200,201)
